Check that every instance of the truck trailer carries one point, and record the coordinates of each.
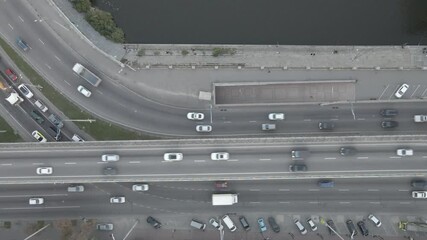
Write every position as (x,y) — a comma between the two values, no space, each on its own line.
(87,75)
(413,226)
(222,199)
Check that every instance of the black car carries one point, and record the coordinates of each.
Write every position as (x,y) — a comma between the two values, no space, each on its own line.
(347,151)
(110,171)
(244,223)
(273,224)
(418,183)
(326,125)
(351,227)
(389,124)
(363,229)
(297,168)
(153,222)
(331,225)
(388,112)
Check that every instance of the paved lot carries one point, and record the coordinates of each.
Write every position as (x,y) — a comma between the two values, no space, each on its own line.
(290,92)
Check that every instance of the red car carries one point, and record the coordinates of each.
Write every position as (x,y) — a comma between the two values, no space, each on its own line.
(221,184)
(11,74)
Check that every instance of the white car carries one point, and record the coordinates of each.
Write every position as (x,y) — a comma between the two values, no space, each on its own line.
(375,220)
(300,227)
(117,200)
(195,116)
(276,116)
(402,89)
(142,187)
(26,91)
(215,224)
(312,224)
(37,135)
(36,201)
(404,152)
(171,157)
(44,170)
(203,128)
(220,156)
(84,91)
(110,158)
(419,194)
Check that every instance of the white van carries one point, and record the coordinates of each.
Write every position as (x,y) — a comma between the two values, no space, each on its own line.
(227,220)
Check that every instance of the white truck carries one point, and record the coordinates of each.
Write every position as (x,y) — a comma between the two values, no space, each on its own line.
(223,199)
(420,118)
(11,95)
(87,75)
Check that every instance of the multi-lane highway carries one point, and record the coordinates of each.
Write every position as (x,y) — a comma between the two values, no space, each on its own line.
(249,159)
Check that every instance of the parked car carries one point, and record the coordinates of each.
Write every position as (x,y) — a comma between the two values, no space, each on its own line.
(77,138)
(389,124)
(140,187)
(375,220)
(331,225)
(195,116)
(36,116)
(404,152)
(276,116)
(348,151)
(11,74)
(26,91)
(110,157)
(351,228)
(300,227)
(118,199)
(41,106)
(312,225)
(229,223)
(84,91)
(401,90)
(44,170)
(197,224)
(37,135)
(363,229)
(389,112)
(110,171)
(220,156)
(297,168)
(55,120)
(203,128)
(215,224)
(419,194)
(244,223)
(153,222)
(274,226)
(172,157)
(261,225)
(326,126)
(105,227)
(36,201)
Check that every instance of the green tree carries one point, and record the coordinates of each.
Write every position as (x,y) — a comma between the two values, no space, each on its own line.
(103,22)
(82,5)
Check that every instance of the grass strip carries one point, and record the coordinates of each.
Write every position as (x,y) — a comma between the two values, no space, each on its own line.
(100,130)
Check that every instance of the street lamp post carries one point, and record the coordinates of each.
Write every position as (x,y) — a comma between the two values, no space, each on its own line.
(79,120)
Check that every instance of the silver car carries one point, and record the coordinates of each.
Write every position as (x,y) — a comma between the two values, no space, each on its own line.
(220,156)
(110,158)
(118,199)
(36,201)
(44,170)
(172,157)
(142,187)
(105,226)
(203,128)
(195,116)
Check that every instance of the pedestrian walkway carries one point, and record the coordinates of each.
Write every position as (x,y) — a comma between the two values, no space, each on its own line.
(146,56)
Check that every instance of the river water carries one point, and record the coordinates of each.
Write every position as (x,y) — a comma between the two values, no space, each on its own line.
(285,22)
